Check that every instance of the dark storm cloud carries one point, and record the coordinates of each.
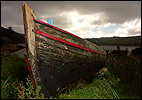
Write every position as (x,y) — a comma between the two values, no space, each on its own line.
(11,15)
(115,11)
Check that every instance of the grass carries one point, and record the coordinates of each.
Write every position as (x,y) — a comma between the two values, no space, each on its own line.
(12,64)
(4,86)
(128,69)
(13,70)
(98,89)
(121,81)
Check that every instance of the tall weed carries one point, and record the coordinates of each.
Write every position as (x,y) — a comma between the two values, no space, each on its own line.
(8,89)
(28,92)
(128,69)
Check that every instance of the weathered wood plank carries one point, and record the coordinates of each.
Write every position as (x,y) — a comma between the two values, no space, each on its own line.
(43,41)
(28,15)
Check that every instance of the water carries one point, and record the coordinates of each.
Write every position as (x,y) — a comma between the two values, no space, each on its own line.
(111,48)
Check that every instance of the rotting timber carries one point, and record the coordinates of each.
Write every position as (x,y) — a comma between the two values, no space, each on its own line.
(55,57)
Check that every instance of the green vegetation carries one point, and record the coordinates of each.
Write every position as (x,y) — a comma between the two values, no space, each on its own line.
(136,52)
(114,41)
(29,92)
(13,69)
(12,64)
(122,79)
(128,69)
(98,89)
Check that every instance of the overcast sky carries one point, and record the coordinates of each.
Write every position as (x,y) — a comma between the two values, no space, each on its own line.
(87,19)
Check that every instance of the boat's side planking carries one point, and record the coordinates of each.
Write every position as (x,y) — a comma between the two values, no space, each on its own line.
(61,64)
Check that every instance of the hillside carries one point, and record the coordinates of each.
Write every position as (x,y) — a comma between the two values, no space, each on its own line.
(10,39)
(114,41)
(10,36)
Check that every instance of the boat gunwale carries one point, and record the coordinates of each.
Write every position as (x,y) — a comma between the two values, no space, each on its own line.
(39,21)
(67,42)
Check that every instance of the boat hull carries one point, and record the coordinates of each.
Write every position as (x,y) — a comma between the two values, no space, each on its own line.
(61,64)
(55,57)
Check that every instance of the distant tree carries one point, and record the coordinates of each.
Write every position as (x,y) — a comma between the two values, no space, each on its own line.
(126,51)
(107,52)
(118,48)
(10,28)
(136,51)
(120,52)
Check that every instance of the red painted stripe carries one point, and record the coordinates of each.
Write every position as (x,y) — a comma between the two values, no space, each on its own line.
(64,41)
(57,28)
(27,64)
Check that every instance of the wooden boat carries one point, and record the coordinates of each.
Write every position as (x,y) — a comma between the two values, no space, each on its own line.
(55,57)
